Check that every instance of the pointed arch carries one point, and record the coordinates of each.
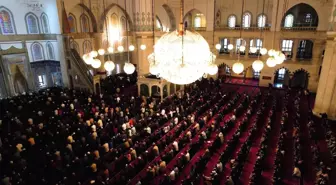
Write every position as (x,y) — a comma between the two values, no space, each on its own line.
(106,11)
(247,20)
(123,24)
(37,51)
(171,16)
(45,23)
(50,51)
(91,15)
(72,23)
(7,24)
(74,45)
(300,79)
(32,23)
(300,15)
(84,23)
(158,23)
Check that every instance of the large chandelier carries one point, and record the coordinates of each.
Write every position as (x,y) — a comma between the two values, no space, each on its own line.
(182,57)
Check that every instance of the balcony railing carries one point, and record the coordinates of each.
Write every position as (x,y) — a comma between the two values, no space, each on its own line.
(254,28)
(299,28)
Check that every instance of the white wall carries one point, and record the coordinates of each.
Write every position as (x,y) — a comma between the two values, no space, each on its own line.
(19,10)
(45,52)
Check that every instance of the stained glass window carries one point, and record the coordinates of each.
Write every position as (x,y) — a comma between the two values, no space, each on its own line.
(32,24)
(85,23)
(45,23)
(37,52)
(50,49)
(6,22)
(72,23)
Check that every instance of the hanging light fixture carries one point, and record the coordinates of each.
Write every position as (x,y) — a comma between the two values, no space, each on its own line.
(230,46)
(257,65)
(131,48)
(120,48)
(129,68)
(263,51)
(177,64)
(242,48)
(96,63)
(143,47)
(271,62)
(218,46)
(87,59)
(280,58)
(101,51)
(93,54)
(238,67)
(253,49)
(110,49)
(109,66)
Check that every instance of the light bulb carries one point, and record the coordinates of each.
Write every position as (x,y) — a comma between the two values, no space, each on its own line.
(129,68)
(253,49)
(109,65)
(120,48)
(131,48)
(238,67)
(110,49)
(87,59)
(242,48)
(271,62)
(212,69)
(218,46)
(96,63)
(101,51)
(230,46)
(271,52)
(143,47)
(263,51)
(257,65)
(93,54)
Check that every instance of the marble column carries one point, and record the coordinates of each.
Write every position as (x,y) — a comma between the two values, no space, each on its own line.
(325,101)
(64,45)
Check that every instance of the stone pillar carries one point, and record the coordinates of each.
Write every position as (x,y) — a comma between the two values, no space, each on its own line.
(139,89)
(247,48)
(325,101)
(295,49)
(63,45)
(142,62)
(232,41)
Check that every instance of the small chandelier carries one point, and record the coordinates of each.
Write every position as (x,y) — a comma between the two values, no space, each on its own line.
(182,65)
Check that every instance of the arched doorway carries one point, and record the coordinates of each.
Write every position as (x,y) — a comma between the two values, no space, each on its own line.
(281,78)
(156,91)
(144,90)
(300,79)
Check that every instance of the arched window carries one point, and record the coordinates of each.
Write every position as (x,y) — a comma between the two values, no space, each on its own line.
(45,23)
(6,22)
(87,47)
(197,22)
(32,24)
(232,21)
(72,23)
(261,21)
(289,21)
(85,26)
(114,20)
(247,20)
(122,23)
(74,45)
(50,51)
(37,51)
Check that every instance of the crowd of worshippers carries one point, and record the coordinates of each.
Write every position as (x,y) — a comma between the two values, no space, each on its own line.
(119,82)
(63,136)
